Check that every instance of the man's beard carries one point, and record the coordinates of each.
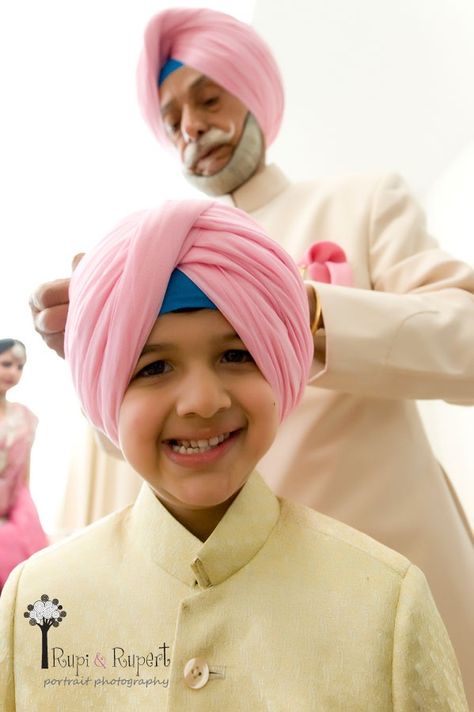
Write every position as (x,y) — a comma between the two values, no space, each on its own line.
(243,163)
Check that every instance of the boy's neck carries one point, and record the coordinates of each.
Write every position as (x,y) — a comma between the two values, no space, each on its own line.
(200,522)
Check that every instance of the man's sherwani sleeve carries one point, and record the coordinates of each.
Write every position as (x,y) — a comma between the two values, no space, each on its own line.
(412,334)
(425,673)
(7,619)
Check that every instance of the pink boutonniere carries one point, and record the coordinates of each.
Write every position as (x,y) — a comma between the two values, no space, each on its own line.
(326,262)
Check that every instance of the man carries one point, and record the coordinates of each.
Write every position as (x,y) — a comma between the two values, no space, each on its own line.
(393,315)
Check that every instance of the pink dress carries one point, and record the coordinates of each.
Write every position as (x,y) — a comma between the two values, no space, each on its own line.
(21,533)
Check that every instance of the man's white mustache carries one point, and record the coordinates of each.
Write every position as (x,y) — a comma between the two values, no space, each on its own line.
(211,139)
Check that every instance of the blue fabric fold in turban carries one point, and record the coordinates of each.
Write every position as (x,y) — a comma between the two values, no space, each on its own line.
(170,66)
(183,293)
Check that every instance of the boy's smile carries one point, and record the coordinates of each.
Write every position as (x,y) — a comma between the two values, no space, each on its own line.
(197,416)
(196,449)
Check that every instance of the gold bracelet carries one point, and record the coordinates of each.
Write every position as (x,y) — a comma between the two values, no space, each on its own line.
(315,324)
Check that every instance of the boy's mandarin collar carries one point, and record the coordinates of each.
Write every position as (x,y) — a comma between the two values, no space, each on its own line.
(258,190)
(237,538)
(240,534)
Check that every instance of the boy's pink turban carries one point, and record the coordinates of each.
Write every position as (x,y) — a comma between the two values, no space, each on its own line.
(117,290)
(228,51)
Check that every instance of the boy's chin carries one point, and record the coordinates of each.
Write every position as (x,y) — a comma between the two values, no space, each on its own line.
(201,492)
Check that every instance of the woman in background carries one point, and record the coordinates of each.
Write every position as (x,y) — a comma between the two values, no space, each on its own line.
(21,533)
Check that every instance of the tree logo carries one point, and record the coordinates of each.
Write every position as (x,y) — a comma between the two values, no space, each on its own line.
(45,613)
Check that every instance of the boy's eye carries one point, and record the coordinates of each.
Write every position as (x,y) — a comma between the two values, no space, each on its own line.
(156,368)
(237,356)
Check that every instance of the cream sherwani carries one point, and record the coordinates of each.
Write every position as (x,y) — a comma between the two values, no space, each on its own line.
(280,609)
(355,448)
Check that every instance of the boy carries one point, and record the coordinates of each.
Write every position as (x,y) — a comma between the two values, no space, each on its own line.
(188,340)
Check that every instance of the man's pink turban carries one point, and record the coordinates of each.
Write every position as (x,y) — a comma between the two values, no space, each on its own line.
(228,51)
(117,290)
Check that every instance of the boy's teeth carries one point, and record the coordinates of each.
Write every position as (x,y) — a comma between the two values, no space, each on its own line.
(191,447)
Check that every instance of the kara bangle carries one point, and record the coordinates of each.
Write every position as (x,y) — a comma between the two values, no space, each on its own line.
(316,322)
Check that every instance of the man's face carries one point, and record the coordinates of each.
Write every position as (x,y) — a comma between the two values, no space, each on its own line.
(203,120)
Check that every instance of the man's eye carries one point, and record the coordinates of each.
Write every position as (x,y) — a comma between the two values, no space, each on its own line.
(172,128)
(237,356)
(212,101)
(156,368)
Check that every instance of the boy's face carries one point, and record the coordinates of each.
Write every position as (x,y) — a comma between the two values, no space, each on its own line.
(198,414)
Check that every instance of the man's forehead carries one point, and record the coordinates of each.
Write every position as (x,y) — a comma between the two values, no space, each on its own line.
(181,83)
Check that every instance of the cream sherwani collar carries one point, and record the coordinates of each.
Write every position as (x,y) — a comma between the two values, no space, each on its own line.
(258,190)
(236,540)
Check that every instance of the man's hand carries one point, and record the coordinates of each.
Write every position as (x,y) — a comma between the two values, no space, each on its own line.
(49,305)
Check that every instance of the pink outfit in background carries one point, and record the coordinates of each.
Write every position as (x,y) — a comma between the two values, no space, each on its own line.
(21,533)
(210,41)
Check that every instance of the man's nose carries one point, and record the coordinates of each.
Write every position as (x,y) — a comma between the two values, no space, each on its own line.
(193,124)
(202,393)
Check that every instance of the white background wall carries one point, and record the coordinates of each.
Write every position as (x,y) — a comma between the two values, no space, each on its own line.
(373,84)
(376,85)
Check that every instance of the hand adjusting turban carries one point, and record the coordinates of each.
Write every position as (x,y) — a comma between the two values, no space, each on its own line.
(117,290)
(228,51)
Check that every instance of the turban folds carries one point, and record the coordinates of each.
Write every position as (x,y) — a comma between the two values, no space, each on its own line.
(228,51)
(117,290)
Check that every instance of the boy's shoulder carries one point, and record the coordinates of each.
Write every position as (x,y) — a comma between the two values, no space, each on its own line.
(106,535)
(340,541)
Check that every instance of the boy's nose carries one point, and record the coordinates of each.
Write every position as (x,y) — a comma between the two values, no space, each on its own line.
(202,394)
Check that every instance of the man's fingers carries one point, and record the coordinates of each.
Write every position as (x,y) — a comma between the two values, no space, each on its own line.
(50,324)
(55,342)
(49,306)
(51,321)
(76,259)
(50,294)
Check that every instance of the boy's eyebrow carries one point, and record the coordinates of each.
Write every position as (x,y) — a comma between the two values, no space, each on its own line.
(196,84)
(219,338)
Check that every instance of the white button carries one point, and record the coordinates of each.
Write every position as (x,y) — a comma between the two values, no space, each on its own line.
(196,673)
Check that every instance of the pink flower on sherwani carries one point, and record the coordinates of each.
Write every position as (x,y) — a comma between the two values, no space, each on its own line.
(326,262)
